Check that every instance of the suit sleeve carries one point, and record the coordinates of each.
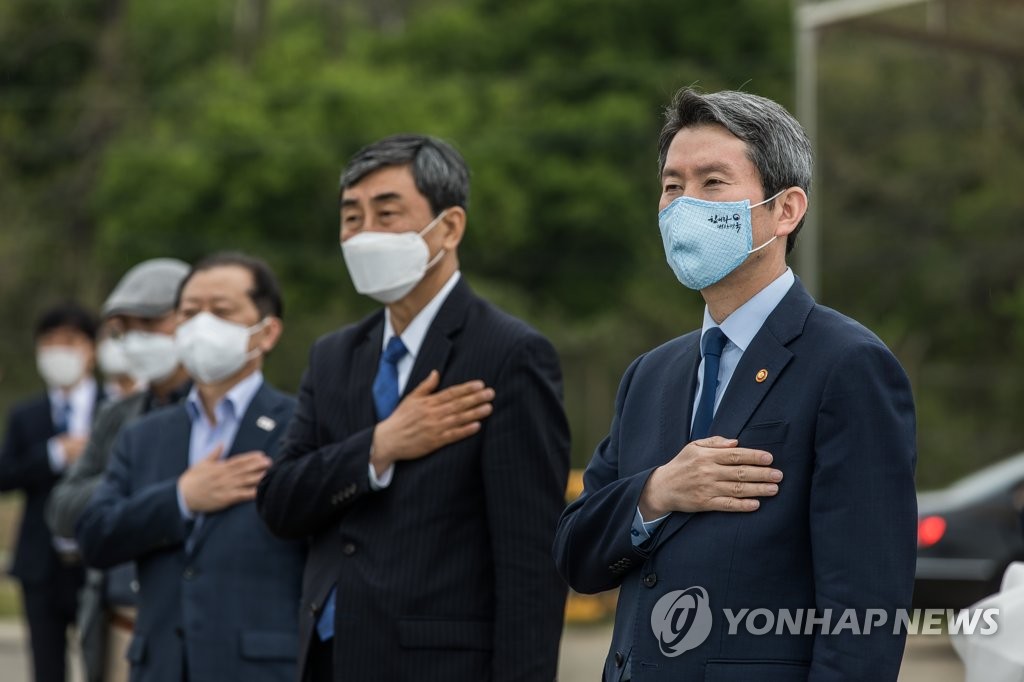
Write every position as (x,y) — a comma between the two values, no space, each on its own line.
(24,460)
(74,490)
(525,469)
(863,511)
(593,546)
(310,487)
(121,523)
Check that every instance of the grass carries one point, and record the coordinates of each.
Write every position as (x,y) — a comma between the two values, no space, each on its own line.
(10,513)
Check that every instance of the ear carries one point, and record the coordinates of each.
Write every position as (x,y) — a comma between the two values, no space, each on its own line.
(452,227)
(789,210)
(268,337)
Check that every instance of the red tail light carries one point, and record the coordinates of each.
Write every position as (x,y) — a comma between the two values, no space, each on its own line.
(930,530)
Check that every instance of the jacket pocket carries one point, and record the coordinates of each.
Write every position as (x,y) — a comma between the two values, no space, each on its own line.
(136,653)
(762,671)
(475,635)
(765,433)
(269,646)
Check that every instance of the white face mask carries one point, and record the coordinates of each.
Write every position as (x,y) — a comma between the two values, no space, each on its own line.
(385,265)
(212,349)
(111,358)
(151,356)
(61,366)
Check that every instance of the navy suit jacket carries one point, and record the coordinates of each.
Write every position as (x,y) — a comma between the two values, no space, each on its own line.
(25,465)
(229,603)
(834,408)
(446,574)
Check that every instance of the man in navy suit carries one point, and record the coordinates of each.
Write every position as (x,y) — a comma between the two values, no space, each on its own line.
(45,435)
(429,453)
(218,595)
(765,461)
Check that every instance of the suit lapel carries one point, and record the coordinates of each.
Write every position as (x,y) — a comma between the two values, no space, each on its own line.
(260,425)
(365,358)
(762,362)
(767,351)
(437,344)
(674,420)
(173,459)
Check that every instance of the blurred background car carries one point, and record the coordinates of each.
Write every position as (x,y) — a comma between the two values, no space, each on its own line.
(967,534)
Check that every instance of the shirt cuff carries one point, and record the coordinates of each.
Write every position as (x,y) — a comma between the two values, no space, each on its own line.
(385,479)
(641,530)
(186,513)
(58,458)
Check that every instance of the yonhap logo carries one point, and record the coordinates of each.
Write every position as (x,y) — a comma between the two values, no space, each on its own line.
(681,620)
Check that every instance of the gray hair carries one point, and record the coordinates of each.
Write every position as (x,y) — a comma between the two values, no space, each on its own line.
(776,142)
(439,171)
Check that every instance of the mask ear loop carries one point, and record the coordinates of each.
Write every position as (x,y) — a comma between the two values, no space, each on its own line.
(774,196)
(433,261)
(256,328)
(760,203)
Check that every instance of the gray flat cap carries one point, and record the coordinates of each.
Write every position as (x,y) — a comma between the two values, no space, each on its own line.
(147,290)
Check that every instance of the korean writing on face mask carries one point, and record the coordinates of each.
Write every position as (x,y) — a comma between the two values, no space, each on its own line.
(726,221)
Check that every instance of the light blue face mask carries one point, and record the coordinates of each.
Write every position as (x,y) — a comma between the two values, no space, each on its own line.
(706,240)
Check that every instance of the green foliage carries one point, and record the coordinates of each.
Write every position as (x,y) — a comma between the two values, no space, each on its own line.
(130,130)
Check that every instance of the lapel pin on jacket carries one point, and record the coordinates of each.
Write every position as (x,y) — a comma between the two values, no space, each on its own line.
(761,375)
(266,423)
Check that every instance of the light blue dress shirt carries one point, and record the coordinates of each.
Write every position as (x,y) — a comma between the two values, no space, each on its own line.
(207,435)
(740,327)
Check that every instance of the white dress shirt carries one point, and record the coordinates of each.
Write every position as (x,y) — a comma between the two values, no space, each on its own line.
(412,338)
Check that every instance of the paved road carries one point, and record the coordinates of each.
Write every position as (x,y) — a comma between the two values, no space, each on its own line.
(928,658)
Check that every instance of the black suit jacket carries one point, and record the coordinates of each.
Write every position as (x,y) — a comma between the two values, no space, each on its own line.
(446,574)
(25,466)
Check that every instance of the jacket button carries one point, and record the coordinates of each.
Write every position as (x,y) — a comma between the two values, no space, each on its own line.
(619,659)
(651,579)
(349,549)
(180,632)
(189,573)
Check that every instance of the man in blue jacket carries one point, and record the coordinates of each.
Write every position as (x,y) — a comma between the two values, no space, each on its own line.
(764,462)
(218,595)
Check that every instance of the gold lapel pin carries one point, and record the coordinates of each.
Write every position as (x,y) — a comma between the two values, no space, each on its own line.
(761,375)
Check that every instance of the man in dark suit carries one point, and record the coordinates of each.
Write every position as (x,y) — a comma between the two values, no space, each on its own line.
(428,456)
(765,461)
(45,435)
(141,313)
(218,595)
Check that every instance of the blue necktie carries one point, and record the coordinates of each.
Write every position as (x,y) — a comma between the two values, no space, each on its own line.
(714,341)
(62,422)
(385,399)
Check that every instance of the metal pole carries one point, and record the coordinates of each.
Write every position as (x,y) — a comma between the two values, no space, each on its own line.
(807,254)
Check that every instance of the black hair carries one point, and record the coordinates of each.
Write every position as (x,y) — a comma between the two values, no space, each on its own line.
(439,171)
(265,293)
(67,314)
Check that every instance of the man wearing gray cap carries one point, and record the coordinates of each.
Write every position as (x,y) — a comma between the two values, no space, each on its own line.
(140,310)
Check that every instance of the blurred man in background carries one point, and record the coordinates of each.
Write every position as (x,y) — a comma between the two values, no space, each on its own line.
(141,309)
(112,361)
(429,453)
(218,594)
(45,435)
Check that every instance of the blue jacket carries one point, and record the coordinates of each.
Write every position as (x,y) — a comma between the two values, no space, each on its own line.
(834,407)
(228,604)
